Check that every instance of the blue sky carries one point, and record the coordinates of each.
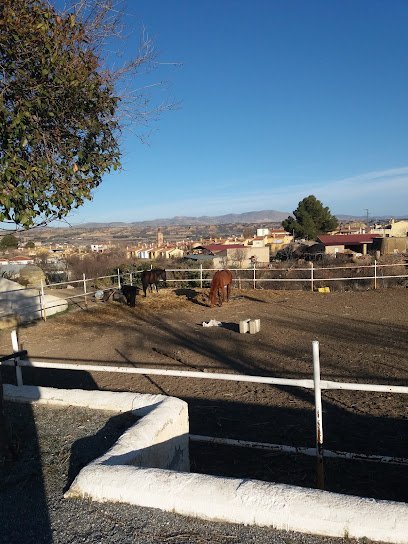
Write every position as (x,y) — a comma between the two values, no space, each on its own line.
(279,99)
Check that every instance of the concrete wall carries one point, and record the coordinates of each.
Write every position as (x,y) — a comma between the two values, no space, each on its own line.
(160,439)
(394,245)
(241,257)
(15,300)
(398,229)
(333,250)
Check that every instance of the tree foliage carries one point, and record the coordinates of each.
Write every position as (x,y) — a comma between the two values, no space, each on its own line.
(8,242)
(310,219)
(56,114)
(59,106)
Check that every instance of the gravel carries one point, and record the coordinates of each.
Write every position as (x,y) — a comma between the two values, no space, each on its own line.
(52,445)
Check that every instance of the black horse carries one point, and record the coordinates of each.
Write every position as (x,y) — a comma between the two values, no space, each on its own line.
(130,292)
(152,277)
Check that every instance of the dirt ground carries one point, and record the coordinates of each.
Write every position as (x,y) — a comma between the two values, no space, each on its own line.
(363,338)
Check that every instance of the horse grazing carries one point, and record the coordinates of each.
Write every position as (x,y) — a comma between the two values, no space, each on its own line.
(222,279)
(152,277)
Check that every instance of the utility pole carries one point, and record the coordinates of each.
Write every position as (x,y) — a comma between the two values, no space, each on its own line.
(367,219)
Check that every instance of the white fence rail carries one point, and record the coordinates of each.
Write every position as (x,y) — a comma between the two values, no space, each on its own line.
(18,360)
(254,277)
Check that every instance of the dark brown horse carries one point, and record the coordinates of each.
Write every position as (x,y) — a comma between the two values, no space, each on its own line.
(222,279)
(152,277)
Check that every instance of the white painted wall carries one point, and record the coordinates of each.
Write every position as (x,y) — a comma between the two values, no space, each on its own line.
(163,431)
(25,303)
(159,439)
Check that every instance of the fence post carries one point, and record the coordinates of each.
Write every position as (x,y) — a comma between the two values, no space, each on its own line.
(42,305)
(131,278)
(84,280)
(16,347)
(254,275)
(319,416)
(375,273)
(312,277)
(119,285)
(201,275)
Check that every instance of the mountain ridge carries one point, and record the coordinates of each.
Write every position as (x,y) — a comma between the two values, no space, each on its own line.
(262,216)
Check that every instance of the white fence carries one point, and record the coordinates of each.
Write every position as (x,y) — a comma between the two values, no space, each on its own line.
(256,277)
(18,360)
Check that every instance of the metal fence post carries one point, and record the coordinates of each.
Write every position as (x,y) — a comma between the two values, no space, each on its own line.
(42,305)
(84,280)
(16,348)
(375,274)
(201,275)
(319,416)
(119,285)
(254,275)
(312,277)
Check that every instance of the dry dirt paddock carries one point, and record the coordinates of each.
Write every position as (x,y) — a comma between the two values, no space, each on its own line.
(363,338)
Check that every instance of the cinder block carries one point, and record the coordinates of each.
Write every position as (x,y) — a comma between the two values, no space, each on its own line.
(244,326)
(254,326)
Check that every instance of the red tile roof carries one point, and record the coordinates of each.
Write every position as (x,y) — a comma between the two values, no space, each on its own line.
(20,258)
(347,239)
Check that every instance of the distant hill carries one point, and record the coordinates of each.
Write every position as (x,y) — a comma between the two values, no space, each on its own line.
(372,218)
(264,216)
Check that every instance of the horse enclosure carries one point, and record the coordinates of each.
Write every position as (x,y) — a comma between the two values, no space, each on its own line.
(262,276)
(362,338)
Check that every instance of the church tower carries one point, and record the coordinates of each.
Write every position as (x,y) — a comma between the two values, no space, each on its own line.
(160,238)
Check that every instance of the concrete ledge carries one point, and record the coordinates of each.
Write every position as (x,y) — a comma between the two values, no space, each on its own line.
(162,443)
(250,502)
(159,439)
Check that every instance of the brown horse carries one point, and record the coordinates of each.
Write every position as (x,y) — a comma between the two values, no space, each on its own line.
(221,279)
(152,277)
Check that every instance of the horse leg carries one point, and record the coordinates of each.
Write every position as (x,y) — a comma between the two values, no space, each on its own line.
(212,296)
(223,293)
(228,291)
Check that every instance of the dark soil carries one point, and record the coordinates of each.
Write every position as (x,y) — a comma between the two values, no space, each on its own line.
(363,338)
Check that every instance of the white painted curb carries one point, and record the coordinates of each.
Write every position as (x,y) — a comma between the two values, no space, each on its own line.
(110,478)
(159,439)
